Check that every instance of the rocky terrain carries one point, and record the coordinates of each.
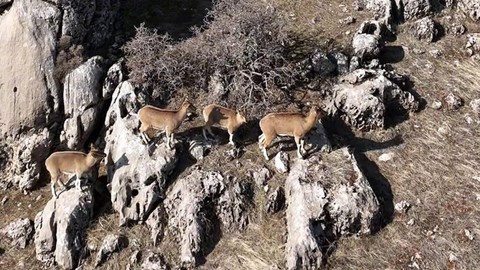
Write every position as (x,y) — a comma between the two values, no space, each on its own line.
(391,179)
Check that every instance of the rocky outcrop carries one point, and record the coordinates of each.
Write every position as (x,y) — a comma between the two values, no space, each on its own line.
(193,202)
(28,91)
(19,231)
(424,29)
(60,228)
(366,46)
(414,9)
(28,158)
(328,193)
(361,97)
(136,172)
(153,261)
(115,75)
(111,243)
(90,22)
(82,99)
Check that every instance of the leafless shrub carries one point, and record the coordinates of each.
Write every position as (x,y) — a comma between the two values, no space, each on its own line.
(243,42)
(68,58)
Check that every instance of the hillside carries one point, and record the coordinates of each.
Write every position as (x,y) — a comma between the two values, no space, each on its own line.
(390,178)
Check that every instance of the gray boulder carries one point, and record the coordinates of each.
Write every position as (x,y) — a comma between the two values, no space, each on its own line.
(453,101)
(415,9)
(361,97)
(28,157)
(60,228)
(19,231)
(321,64)
(282,162)
(231,206)
(136,172)
(471,8)
(332,193)
(115,75)
(153,261)
(424,29)
(366,46)
(28,91)
(473,43)
(341,62)
(82,101)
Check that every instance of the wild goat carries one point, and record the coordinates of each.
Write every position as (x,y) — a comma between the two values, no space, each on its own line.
(71,162)
(287,124)
(224,117)
(161,119)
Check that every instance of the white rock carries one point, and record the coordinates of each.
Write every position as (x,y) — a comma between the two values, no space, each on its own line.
(386,156)
(436,105)
(402,206)
(282,161)
(469,234)
(411,222)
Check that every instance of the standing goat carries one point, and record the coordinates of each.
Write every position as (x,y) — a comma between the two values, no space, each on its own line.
(287,124)
(224,117)
(161,119)
(71,162)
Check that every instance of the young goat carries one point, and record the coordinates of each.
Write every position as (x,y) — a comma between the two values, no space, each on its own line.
(71,162)
(161,119)
(224,117)
(287,124)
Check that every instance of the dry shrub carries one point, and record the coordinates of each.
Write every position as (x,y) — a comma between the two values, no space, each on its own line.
(244,43)
(69,57)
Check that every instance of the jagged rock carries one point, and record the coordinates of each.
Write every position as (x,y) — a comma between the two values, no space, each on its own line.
(232,206)
(282,162)
(473,43)
(156,222)
(29,93)
(366,46)
(89,22)
(471,8)
(60,228)
(321,64)
(354,63)
(111,243)
(330,192)
(341,62)
(28,158)
(453,101)
(362,95)
(276,201)
(185,206)
(317,139)
(153,261)
(457,29)
(348,20)
(115,75)
(19,231)
(260,176)
(199,149)
(475,105)
(414,9)
(135,189)
(82,101)
(424,29)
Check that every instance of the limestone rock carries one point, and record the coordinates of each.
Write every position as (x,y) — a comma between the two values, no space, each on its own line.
(82,101)
(156,222)
(341,62)
(415,9)
(424,29)
(473,43)
(29,156)
(111,243)
(328,192)
(276,201)
(471,8)
(115,75)
(362,96)
(153,261)
(453,101)
(366,46)
(231,207)
(321,64)
(28,91)
(475,105)
(135,189)
(60,228)
(260,175)
(185,208)
(19,231)
(282,162)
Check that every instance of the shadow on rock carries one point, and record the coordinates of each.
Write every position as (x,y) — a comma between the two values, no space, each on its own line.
(392,54)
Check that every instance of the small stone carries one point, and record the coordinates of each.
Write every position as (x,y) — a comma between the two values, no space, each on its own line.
(469,234)
(475,105)
(436,105)
(402,207)
(429,233)
(5,199)
(348,20)
(347,33)
(452,258)
(468,119)
(266,188)
(453,101)
(386,156)
(418,51)
(436,53)
(411,222)
(38,198)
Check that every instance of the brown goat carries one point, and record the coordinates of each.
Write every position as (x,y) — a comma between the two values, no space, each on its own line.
(224,117)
